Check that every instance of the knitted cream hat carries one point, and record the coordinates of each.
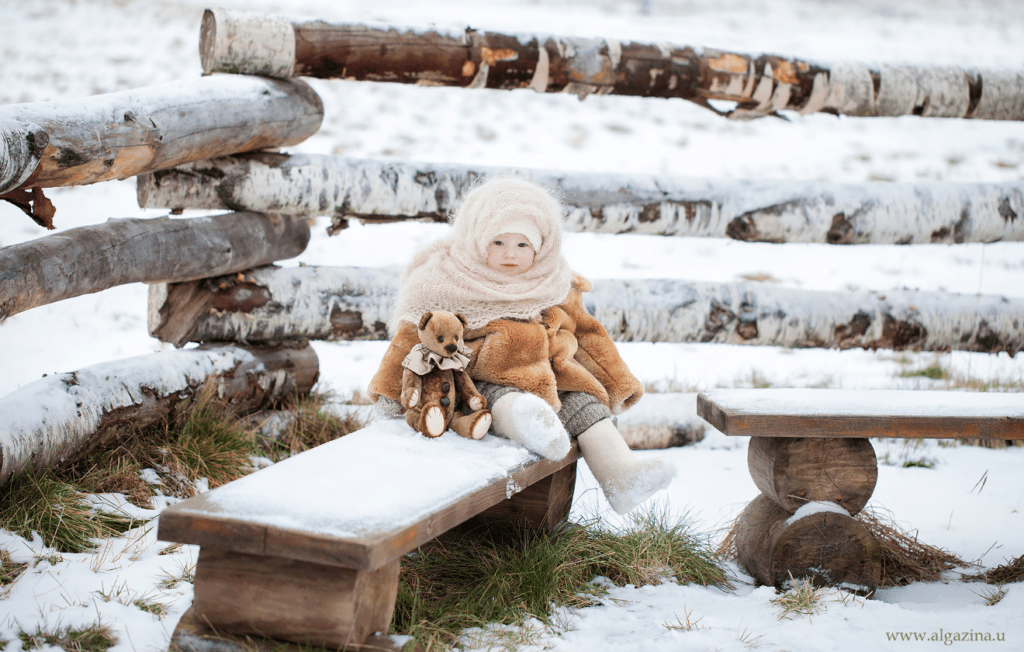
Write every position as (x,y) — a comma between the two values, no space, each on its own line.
(522,227)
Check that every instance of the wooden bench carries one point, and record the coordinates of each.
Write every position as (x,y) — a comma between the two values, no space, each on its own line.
(308,550)
(811,457)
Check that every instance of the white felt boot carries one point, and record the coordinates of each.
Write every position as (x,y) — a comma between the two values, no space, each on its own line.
(529,420)
(625,480)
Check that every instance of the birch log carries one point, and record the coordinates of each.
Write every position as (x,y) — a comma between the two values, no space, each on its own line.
(272,304)
(269,304)
(54,419)
(758,211)
(93,258)
(759,84)
(119,135)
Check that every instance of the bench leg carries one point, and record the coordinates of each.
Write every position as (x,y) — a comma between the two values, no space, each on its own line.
(298,601)
(829,548)
(543,505)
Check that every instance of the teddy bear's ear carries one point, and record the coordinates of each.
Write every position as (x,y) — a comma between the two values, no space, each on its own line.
(462,319)
(424,319)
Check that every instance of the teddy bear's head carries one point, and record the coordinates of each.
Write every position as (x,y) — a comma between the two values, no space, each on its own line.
(441,332)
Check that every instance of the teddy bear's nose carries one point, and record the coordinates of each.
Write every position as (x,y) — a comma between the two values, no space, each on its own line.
(451,348)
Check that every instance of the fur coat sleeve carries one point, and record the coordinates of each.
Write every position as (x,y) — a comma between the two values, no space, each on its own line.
(565,350)
(583,355)
(387,382)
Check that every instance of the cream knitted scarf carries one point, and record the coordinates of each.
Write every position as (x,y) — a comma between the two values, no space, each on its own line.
(452,273)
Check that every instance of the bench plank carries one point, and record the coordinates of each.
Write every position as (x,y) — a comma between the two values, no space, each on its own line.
(863,413)
(361,501)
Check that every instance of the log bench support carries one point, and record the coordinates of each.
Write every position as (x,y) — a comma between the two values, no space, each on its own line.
(810,457)
(297,601)
(258,584)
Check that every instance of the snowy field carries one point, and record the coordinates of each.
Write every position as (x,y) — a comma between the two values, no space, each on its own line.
(65,49)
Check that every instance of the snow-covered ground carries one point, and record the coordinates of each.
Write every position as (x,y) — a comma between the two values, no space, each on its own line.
(971,502)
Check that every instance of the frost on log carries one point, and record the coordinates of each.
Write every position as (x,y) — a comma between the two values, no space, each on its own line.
(760,85)
(756,211)
(270,304)
(59,417)
(119,135)
(93,258)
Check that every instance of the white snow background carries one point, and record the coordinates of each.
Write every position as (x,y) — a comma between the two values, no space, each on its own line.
(970,502)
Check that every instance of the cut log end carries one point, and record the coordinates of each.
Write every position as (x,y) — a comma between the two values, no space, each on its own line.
(247,43)
(207,39)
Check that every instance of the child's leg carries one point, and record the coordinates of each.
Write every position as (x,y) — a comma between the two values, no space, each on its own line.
(529,420)
(526,419)
(625,481)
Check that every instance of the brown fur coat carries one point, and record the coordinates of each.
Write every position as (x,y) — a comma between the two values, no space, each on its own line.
(565,350)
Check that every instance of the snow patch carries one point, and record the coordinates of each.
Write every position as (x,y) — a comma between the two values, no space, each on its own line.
(816,507)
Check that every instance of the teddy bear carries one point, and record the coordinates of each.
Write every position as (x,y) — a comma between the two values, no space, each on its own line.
(435,381)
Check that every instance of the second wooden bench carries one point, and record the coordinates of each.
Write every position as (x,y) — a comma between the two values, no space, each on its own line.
(811,457)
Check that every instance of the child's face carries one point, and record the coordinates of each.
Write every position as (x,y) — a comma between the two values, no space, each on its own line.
(510,253)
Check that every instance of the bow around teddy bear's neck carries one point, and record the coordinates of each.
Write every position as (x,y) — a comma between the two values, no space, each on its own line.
(422,360)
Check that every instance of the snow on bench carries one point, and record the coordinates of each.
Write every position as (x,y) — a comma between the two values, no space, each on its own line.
(863,413)
(308,549)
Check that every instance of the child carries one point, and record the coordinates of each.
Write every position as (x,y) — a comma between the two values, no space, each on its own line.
(548,369)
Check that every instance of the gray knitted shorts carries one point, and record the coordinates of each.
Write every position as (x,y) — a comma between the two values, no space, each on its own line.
(579,409)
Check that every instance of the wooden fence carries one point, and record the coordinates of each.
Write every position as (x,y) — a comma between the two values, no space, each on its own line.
(202,144)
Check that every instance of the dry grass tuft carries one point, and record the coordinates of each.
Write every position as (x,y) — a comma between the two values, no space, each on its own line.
(9,570)
(904,558)
(94,638)
(500,576)
(1010,572)
(201,441)
(57,511)
(309,424)
(801,598)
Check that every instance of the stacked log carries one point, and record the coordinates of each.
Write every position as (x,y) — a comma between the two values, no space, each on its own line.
(123,134)
(751,210)
(801,526)
(63,416)
(328,303)
(93,258)
(761,85)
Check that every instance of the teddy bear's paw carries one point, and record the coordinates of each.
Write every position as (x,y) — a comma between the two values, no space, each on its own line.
(433,421)
(410,399)
(477,403)
(481,427)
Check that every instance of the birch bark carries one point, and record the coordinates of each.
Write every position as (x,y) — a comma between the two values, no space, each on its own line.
(762,211)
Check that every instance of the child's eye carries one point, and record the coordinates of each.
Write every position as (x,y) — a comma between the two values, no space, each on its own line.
(499,243)
(523,244)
